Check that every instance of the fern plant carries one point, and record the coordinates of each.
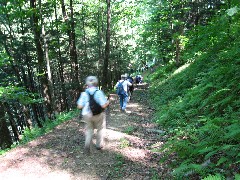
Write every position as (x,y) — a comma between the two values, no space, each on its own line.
(200,106)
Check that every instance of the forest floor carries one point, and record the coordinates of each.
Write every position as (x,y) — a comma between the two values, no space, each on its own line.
(127,152)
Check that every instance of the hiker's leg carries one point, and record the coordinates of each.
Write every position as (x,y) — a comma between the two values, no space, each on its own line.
(121,101)
(101,126)
(125,100)
(131,92)
(88,133)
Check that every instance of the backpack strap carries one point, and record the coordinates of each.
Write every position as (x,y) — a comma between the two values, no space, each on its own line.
(91,94)
(95,92)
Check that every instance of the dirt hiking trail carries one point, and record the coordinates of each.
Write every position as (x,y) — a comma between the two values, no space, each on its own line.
(126,154)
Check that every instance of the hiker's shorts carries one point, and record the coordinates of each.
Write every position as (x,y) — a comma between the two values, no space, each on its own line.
(95,122)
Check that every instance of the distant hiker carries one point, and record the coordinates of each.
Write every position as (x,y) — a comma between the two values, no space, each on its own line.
(130,88)
(138,79)
(122,87)
(93,102)
(130,79)
(141,79)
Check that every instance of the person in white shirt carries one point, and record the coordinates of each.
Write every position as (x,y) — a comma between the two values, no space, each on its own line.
(124,97)
(97,121)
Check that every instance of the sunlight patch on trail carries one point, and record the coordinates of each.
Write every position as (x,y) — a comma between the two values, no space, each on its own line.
(112,135)
(132,153)
(135,154)
(133,105)
(13,174)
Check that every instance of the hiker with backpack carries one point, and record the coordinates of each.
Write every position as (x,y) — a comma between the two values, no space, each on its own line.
(138,79)
(130,88)
(93,102)
(122,88)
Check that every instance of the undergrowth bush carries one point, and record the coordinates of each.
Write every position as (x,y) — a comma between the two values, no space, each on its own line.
(200,106)
(35,132)
(30,134)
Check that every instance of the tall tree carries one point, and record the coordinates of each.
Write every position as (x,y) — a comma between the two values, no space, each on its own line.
(5,140)
(60,64)
(70,26)
(100,37)
(107,47)
(73,52)
(40,57)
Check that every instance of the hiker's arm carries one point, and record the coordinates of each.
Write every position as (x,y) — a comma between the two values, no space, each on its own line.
(79,106)
(102,100)
(105,105)
(116,85)
(81,100)
(129,84)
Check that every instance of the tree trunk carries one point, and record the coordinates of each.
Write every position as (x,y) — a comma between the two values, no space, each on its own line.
(107,48)
(12,122)
(177,56)
(5,140)
(73,54)
(31,87)
(72,49)
(49,73)
(84,55)
(63,94)
(41,64)
(100,40)
(27,117)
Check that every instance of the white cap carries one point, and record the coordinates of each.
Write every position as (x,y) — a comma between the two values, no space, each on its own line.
(91,81)
(123,76)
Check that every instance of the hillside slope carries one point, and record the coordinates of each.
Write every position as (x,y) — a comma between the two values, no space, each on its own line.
(199,105)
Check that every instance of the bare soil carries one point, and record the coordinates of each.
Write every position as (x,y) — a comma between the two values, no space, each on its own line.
(127,154)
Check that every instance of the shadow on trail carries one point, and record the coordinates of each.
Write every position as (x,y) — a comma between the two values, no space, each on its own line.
(126,154)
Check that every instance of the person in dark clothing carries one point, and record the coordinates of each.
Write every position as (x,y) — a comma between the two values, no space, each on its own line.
(130,88)
(138,79)
(123,97)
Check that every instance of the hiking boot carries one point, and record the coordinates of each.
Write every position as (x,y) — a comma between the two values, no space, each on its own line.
(123,110)
(86,151)
(99,148)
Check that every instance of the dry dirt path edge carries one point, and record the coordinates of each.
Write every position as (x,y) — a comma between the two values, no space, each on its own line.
(126,154)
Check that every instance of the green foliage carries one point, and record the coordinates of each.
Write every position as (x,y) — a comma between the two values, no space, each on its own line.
(199,106)
(124,143)
(162,73)
(129,130)
(2,152)
(237,176)
(30,134)
(13,93)
(118,166)
(214,177)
